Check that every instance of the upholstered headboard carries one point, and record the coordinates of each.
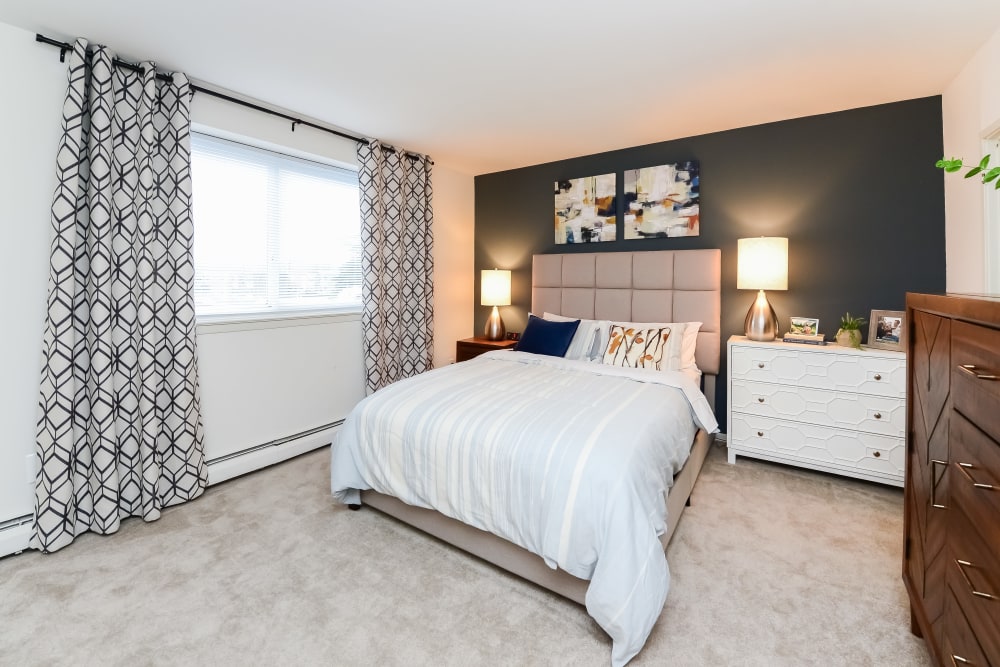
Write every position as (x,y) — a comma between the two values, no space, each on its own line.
(652,286)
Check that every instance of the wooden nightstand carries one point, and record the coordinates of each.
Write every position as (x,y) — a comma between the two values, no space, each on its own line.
(473,347)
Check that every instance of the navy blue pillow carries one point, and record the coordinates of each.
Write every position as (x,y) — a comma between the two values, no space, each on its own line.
(545,337)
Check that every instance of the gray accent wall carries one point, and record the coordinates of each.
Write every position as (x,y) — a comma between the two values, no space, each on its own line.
(856,192)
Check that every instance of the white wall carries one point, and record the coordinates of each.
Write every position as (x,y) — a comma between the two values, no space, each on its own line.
(30,118)
(971,111)
(454,273)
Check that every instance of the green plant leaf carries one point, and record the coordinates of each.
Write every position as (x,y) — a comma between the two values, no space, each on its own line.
(991,174)
(984,162)
(973,172)
(939,164)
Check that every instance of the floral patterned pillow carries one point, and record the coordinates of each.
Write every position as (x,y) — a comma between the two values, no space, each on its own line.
(636,348)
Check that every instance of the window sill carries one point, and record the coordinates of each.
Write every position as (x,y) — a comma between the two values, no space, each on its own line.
(215,324)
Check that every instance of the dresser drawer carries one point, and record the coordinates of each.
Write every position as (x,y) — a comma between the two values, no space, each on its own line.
(874,414)
(821,445)
(959,644)
(974,385)
(832,370)
(974,578)
(974,478)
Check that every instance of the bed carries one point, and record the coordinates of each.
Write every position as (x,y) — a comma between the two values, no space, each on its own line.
(655,286)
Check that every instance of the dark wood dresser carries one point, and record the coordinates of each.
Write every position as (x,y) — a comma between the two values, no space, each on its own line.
(951,557)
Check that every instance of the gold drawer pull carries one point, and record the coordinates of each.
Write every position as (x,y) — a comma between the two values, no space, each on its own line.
(877,377)
(760,364)
(964,468)
(962,564)
(877,454)
(760,400)
(878,415)
(760,434)
(955,659)
(978,372)
(934,502)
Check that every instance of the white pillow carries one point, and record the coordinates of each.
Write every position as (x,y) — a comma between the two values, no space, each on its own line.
(680,351)
(588,336)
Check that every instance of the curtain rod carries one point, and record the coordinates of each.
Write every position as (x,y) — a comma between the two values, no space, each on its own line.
(118,62)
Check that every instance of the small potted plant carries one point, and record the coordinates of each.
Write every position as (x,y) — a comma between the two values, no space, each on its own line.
(849,334)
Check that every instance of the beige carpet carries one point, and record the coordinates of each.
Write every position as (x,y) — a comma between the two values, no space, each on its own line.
(771,566)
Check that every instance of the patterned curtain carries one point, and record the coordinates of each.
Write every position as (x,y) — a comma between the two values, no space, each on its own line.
(119,429)
(396,265)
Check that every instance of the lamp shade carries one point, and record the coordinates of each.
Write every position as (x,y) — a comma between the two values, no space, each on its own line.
(495,288)
(762,263)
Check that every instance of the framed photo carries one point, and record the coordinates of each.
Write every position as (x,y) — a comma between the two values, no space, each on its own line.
(808,326)
(887,329)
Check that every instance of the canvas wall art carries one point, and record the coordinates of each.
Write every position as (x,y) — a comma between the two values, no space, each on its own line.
(662,201)
(586,209)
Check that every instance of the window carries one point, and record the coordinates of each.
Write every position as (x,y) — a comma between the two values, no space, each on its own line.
(991,219)
(274,234)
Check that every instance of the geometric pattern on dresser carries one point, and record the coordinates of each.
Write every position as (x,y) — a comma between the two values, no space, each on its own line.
(119,426)
(931,359)
(396,264)
(825,408)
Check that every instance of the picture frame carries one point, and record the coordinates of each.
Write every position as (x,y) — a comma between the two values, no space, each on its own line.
(806,326)
(887,330)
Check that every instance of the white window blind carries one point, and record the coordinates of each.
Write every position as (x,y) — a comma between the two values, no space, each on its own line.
(273,234)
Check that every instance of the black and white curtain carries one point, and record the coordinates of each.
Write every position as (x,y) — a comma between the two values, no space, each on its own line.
(397,266)
(119,429)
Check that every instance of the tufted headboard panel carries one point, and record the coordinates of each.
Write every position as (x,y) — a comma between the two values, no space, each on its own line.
(652,286)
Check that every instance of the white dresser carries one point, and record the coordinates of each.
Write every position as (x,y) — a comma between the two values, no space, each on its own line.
(823,407)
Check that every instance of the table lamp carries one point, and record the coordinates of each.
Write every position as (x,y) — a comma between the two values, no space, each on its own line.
(495,292)
(762,263)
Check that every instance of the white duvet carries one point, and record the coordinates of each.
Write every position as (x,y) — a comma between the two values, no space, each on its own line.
(567,459)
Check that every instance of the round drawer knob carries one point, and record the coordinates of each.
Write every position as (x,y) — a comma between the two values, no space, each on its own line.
(760,400)
(760,364)
(760,434)
(878,415)
(878,377)
(878,454)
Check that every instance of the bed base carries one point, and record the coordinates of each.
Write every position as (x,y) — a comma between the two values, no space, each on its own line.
(521,562)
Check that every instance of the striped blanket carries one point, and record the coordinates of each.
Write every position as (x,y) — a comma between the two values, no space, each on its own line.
(567,459)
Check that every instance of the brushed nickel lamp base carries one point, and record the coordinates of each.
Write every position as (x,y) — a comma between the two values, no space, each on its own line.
(494,326)
(761,322)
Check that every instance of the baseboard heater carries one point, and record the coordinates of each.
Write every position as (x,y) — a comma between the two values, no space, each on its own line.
(14,535)
(259,456)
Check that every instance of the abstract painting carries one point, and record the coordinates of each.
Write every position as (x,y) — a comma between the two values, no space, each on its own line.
(586,209)
(662,201)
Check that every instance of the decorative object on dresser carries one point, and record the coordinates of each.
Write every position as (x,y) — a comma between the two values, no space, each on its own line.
(829,408)
(495,288)
(887,329)
(803,326)
(470,348)
(762,263)
(951,555)
(849,333)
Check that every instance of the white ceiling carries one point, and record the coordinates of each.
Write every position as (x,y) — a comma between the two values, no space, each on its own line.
(487,86)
